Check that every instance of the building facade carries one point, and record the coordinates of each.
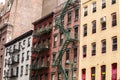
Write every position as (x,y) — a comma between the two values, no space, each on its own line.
(42,48)
(64,49)
(17,58)
(5,31)
(99,58)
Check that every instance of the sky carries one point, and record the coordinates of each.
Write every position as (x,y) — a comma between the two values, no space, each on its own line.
(2,1)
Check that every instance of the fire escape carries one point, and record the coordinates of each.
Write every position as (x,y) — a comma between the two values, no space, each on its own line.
(37,50)
(68,40)
(12,62)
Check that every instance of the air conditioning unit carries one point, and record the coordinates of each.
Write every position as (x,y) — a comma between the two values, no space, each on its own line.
(103,19)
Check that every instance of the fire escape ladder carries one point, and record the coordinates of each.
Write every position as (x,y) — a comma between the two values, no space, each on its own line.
(67,41)
(62,71)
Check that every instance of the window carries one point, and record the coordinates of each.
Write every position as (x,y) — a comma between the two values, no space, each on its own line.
(59,76)
(76,14)
(94,7)
(114,43)
(113,1)
(75,54)
(67,72)
(76,32)
(67,55)
(103,43)
(29,42)
(41,77)
(17,71)
(53,60)
(93,73)
(46,76)
(103,23)
(53,77)
(19,45)
(47,61)
(85,11)
(50,24)
(93,49)
(24,42)
(21,71)
(85,30)
(42,61)
(74,74)
(43,44)
(69,17)
(48,42)
(27,58)
(84,51)
(83,74)
(26,69)
(55,41)
(14,47)
(61,38)
(114,71)
(114,19)
(103,4)
(103,72)
(22,57)
(94,26)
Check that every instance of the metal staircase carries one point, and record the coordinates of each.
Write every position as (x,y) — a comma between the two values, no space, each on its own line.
(68,40)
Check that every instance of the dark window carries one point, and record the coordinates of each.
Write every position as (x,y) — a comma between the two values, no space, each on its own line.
(61,38)
(75,54)
(29,42)
(85,30)
(42,61)
(22,57)
(46,76)
(17,71)
(94,26)
(76,14)
(114,19)
(24,42)
(103,43)
(94,7)
(55,41)
(67,55)
(114,43)
(19,45)
(103,72)
(83,74)
(85,11)
(93,73)
(21,71)
(103,23)
(67,72)
(93,49)
(113,1)
(47,61)
(103,4)
(26,72)
(27,58)
(76,32)
(69,17)
(59,76)
(48,42)
(84,51)
(114,71)
(53,60)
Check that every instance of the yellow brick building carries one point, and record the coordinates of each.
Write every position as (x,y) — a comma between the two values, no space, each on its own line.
(99,40)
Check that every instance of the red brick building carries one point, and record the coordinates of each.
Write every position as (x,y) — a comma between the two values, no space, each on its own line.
(68,51)
(42,46)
